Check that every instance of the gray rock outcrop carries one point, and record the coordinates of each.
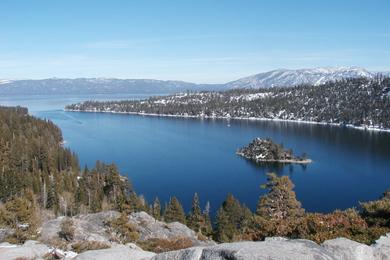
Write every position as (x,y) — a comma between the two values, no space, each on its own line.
(5,232)
(119,252)
(29,250)
(286,249)
(272,248)
(269,249)
(343,248)
(91,227)
(150,228)
(87,227)
(382,247)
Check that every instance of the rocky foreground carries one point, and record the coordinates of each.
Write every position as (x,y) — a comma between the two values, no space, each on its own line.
(90,228)
(272,248)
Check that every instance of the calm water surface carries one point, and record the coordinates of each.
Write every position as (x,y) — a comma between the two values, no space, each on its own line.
(172,156)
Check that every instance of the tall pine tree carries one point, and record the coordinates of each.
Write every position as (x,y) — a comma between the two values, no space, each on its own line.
(174,212)
(233,220)
(280,202)
(195,219)
(156,209)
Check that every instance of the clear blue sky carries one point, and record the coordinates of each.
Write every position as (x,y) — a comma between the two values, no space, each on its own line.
(200,41)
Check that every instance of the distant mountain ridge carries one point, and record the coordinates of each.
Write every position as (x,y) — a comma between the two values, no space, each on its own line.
(275,78)
(99,86)
(288,78)
(4,81)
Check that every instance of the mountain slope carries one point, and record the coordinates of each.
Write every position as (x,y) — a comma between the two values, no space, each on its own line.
(4,81)
(287,78)
(98,86)
(275,78)
(361,102)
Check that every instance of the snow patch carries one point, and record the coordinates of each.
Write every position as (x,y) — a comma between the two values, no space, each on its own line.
(4,81)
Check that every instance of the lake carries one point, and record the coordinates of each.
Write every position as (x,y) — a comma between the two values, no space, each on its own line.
(177,157)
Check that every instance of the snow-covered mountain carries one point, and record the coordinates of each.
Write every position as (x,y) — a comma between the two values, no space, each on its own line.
(275,78)
(385,73)
(4,81)
(60,86)
(286,77)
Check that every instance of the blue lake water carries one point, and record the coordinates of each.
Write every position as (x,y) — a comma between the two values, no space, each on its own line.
(173,156)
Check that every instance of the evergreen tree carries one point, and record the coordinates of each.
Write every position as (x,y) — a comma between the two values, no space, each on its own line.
(144,206)
(233,220)
(52,197)
(195,219)
(174,212)
(156,209)
(224,227)
(280,202)
(130,204)
(207,229)
(278,212)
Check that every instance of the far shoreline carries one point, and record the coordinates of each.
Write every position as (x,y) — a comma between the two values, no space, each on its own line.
(361,128)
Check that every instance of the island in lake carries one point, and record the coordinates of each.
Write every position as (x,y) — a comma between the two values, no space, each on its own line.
(265,150)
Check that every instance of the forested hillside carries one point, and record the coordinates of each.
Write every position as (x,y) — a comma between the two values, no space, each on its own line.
(361,102)
(34,161)
(38,173)
(32,157)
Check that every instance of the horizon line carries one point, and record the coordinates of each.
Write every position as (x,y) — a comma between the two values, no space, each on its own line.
(8,80)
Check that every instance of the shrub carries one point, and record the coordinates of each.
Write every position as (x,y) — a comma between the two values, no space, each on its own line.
(18,237)
(377,213)
(158,245)
(124,231)
(83,246)
(20,215)
(321,227)
(67,229)
(6,218)
(265,227)
(57,243)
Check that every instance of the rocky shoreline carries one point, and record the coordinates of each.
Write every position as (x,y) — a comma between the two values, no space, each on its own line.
(361,128)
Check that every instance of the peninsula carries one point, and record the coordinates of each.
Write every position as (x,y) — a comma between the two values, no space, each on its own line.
(360,103)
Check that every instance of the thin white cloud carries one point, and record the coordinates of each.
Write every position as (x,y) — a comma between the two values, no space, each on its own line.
(136,42)
(204,69)
(122,44)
